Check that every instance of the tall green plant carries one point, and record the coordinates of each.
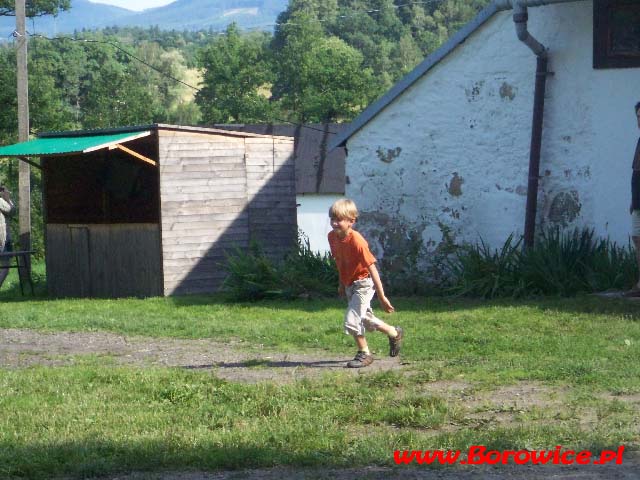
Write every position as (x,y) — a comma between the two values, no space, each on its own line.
(557,263)
(612,266)
(561,263)
(303,272)
(479,271)
(565,263)
(252,275)
(309,273)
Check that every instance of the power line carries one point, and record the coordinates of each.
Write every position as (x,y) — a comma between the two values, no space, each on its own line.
(118,47)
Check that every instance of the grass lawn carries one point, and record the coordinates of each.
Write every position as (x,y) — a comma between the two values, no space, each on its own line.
(506,374)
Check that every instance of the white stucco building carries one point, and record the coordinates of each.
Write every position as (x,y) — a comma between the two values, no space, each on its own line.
(444,155)
(313,218)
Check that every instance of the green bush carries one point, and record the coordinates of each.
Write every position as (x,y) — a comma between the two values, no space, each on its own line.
(303,272)
(560,263)
(478,271)
(252,275)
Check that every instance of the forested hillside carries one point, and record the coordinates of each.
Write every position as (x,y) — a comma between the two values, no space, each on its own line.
(180,14)
(326,60)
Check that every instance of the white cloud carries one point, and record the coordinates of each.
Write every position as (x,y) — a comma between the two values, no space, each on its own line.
(136,5)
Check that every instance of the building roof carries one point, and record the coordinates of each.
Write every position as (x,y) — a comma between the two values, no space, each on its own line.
(68,144)
(407,81)
(318,169)
(153,126)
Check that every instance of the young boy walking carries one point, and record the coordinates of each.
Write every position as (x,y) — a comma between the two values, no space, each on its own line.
(359,280)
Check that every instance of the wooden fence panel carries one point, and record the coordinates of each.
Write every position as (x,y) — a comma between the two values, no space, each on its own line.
(116,260)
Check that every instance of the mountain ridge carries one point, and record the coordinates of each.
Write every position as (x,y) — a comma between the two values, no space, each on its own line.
(178,15)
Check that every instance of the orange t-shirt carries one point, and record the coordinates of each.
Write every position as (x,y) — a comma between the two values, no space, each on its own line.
(352,255)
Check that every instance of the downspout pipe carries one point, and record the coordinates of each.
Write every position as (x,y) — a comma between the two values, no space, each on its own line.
(520,18)
(534,152)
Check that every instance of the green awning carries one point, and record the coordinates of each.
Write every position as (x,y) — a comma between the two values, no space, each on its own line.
(70,144)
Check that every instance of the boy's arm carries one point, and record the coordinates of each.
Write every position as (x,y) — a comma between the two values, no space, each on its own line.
(384,301)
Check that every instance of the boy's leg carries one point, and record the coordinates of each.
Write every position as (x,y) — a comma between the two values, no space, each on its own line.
(395,334)
(387,329)
(357,297)
(361,343)
(395,343)
(372,323)
(363,358)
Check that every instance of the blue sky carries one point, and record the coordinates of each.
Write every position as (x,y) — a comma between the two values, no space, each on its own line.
(135,4)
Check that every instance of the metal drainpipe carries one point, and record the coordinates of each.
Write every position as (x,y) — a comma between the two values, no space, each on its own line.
(520,18)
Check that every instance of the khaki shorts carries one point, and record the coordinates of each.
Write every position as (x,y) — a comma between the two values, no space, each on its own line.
(359,317)
(635,223)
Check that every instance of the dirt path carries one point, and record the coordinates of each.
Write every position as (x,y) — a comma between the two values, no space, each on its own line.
(232,360)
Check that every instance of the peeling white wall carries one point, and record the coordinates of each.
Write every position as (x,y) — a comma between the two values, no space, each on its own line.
(313,218)
(451,153)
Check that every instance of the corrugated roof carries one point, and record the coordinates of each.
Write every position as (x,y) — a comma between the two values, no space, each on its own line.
(68,144)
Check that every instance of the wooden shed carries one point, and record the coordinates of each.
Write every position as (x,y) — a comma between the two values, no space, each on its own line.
(150,210)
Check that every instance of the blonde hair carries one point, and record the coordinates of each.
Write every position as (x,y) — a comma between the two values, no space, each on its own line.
(344,208)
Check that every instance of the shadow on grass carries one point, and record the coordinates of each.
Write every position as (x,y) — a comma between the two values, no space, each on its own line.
(10,290)
(97,459)
(581,304)
(107,459)
(261,363)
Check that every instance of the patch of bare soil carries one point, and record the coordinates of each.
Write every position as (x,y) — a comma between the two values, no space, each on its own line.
(231,360)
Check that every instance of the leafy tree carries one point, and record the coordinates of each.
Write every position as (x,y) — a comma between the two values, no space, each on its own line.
(8,97)
(292,45)
(406,54)
(63,62)
(35,8)
(319,78)
(236,76)
(47,111)
(117,97)
(185,113)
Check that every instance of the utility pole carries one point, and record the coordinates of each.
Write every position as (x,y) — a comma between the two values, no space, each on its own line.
(24,170)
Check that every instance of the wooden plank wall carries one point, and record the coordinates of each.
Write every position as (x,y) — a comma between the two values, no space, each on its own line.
(203,201)
(117,260)
(271,189)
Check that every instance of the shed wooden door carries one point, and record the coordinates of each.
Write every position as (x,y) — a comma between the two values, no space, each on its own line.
(68,260)
(121,260)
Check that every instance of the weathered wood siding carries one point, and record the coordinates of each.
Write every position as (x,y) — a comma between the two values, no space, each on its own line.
(271,192)
(203,200)
(118,260)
